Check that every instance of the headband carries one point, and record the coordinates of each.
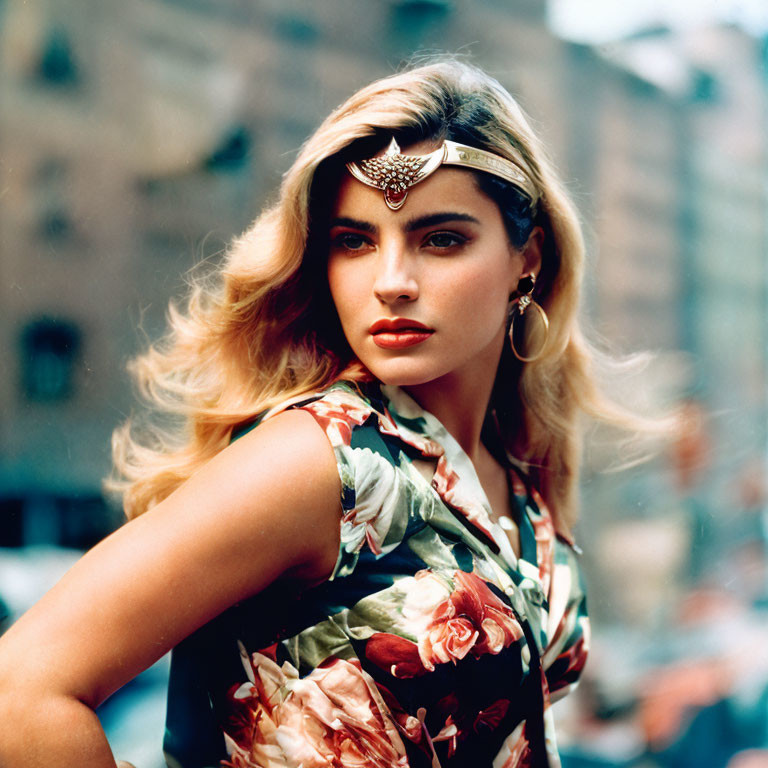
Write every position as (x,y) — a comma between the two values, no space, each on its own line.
(396,173)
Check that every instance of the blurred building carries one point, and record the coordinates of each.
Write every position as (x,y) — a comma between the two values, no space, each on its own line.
(670,146)
(136,141)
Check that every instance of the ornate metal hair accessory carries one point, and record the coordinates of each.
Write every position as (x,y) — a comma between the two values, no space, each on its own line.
(395,173)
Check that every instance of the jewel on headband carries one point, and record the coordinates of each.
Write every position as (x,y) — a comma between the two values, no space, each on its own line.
(395,173)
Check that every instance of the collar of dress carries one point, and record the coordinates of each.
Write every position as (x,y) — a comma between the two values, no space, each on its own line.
(455,478)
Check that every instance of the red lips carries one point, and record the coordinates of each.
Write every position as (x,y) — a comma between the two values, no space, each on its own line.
(392,325)
(399,332)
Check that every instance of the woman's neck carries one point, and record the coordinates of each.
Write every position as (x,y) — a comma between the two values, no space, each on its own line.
(460,404)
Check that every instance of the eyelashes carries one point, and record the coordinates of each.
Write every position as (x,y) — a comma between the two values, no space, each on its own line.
(443,240)
(349,241)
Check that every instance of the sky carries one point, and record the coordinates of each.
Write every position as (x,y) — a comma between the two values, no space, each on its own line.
(601,21)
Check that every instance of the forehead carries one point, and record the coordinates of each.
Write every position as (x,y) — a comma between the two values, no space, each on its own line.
(447,189)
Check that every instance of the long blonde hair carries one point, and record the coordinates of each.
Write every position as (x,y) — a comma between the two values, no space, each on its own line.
(248,337)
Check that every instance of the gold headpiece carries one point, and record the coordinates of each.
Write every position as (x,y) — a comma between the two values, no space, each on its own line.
(396,173)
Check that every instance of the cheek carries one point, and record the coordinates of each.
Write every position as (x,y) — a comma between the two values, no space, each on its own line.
(335,284)
(345,285)
(482,292)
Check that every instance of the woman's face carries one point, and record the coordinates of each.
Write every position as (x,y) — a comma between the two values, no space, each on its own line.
(423,292)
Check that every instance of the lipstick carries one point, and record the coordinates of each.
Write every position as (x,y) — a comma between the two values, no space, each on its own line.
(399,333)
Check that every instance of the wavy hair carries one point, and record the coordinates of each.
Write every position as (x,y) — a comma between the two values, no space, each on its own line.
(255,333)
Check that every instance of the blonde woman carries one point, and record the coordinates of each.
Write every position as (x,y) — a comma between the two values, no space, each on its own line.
(358,543)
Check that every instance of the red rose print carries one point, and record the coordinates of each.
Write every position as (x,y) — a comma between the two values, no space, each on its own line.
(472,620)
(396,654)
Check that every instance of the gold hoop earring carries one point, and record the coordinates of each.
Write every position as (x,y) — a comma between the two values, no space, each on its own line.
(519,307)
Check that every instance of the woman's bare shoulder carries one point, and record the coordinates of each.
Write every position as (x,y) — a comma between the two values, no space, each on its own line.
(282,474)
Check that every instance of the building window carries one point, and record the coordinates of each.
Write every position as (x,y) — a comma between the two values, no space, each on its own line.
(52,170)
(57,65)
(417,23)
(49,350)
(11,523)
(56,226)
(296,29)
(233,153)
(705,87)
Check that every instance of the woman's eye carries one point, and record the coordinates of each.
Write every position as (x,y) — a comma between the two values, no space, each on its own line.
(349,241)
(444,240)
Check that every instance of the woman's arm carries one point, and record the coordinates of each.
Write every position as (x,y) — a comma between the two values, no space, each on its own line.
(267,506)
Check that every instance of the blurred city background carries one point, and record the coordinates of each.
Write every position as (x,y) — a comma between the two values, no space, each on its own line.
(137,138)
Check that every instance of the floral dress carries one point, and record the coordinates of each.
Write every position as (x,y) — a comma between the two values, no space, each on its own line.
(430,645)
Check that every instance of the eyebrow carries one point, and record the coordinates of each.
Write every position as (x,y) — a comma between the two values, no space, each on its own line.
(345,221)
(411,225)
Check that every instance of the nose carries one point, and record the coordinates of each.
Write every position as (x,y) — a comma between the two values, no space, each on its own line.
(395,277)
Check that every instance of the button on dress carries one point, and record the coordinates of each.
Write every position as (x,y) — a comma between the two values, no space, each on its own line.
(431,644)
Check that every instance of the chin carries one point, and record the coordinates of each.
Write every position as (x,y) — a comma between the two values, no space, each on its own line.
(403,373)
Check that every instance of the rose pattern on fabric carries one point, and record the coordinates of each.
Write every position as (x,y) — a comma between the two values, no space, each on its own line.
(460,723)
(379,495)
(339,415)
(331,717)
(448,624)
(516,752)
(473,619)
(416,601)
(544,531)
(447,483)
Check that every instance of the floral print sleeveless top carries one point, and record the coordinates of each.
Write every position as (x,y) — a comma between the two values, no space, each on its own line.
(430,645)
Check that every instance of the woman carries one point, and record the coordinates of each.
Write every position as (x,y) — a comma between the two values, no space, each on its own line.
(363,326)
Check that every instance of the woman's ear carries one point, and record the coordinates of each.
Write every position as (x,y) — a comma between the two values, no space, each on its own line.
(531,251)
